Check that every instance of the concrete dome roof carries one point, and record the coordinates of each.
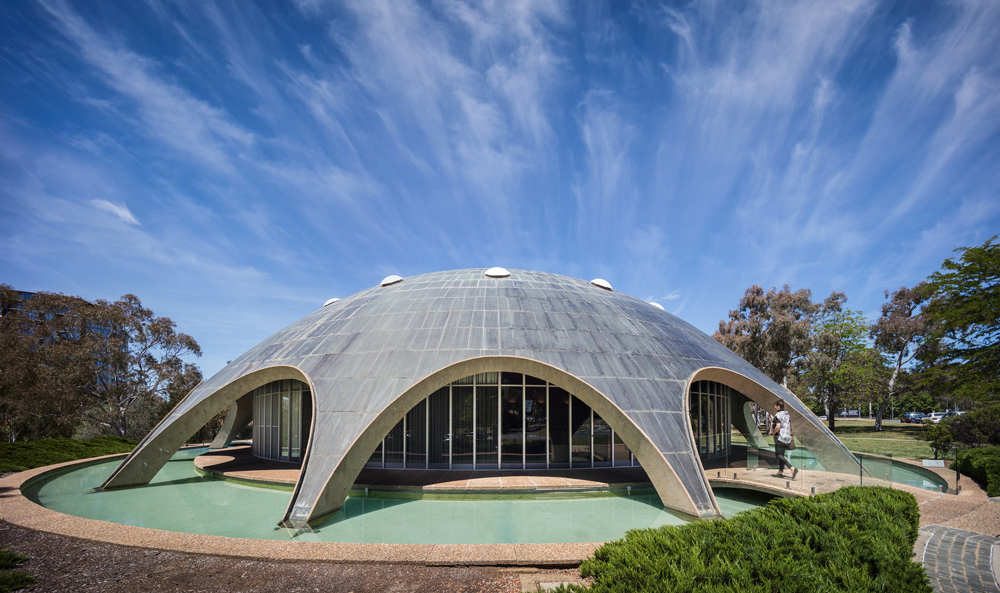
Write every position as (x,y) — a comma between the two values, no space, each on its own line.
(370,357)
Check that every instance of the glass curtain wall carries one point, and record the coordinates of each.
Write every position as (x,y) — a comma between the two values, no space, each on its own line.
(710,419)
(282,413)
(501,421)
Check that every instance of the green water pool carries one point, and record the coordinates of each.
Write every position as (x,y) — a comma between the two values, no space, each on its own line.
(882,468)
(179,499)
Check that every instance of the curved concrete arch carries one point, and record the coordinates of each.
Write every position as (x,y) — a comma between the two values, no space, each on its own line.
(162,442)
(239,417)
(334,491)
(825,447)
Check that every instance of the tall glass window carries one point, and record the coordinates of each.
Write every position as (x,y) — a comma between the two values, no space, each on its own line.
(282,411)
(580,419)
(462,424)
(286,421)
(439,432)
(376,457)
(393,445)
(500,420)
(558,427)
(416,435)
(710,417)
(487,441)
(621,452)
(602,442)
(512,417)
(535,429)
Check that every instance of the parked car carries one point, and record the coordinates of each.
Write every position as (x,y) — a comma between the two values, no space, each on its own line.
(935,417)
(912,417)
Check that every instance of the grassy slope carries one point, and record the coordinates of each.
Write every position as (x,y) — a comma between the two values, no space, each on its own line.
(901,440)
(15,457)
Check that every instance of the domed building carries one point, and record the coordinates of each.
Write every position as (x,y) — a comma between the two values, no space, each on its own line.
(485,370)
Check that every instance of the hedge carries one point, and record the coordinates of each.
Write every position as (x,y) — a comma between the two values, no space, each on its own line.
(854,539)
(978,427)
(983,465)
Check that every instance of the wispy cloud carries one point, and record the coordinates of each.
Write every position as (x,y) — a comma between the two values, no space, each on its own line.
(265,157)
(119,210)
(168,112)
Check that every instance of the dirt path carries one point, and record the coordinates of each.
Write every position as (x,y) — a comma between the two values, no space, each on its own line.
(70,565)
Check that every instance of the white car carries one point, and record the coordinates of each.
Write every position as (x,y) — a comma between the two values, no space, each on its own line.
(935,417)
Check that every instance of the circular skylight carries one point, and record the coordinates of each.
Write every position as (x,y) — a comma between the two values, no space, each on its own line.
(497,273)
(331,301)
(657,305)
(601,283)
(391,280)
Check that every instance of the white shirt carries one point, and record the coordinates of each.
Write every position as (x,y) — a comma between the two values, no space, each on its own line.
(785,432)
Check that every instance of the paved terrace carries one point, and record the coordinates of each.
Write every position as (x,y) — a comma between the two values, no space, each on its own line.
(238,463)
(959,543)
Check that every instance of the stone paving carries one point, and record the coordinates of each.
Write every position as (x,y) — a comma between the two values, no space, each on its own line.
(959,561)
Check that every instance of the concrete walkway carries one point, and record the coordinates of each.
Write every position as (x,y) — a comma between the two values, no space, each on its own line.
(959,561)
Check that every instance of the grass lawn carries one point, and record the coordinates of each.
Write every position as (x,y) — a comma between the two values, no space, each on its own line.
(901,440)
(16,457)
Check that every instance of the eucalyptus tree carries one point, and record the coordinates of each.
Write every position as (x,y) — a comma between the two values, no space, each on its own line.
(68,365)
(965,312)
(771,329)
(41,369)
(138,357)
(903,333)
(838,361)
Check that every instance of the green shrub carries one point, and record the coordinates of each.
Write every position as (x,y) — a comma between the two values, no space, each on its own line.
(978,427)
(15,580)
(940,437)
(12,580)
(9,559)
(16,457)
(855,539)
(983,465)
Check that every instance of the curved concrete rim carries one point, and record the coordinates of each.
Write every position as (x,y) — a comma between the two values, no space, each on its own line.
(19,510)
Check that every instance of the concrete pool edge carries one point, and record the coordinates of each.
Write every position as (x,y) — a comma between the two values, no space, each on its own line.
(18,509)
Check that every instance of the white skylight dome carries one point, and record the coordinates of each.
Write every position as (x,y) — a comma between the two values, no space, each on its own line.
(657,305)
(393,279)
(496,272)
(601,283)
(331,301)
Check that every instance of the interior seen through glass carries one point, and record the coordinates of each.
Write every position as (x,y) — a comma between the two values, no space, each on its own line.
(488,421)
(281,420)
(501,421)
(710,418)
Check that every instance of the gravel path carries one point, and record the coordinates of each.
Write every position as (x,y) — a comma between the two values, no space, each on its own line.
(67,564)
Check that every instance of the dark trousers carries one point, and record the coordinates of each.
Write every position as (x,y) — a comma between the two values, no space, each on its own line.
(779,452)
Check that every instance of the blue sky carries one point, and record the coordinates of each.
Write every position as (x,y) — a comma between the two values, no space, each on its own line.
(237,164)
